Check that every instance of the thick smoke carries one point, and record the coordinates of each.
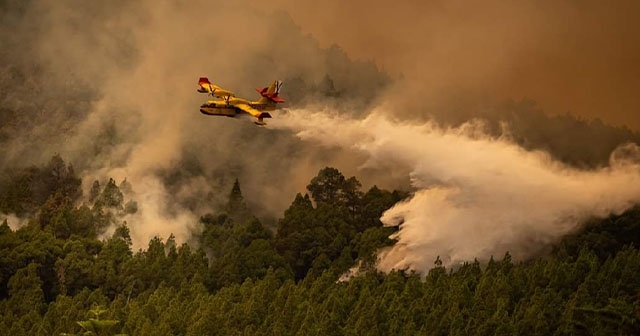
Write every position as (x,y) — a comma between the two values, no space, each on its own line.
(577,56)
(475,196)
(111,87)
(13,221)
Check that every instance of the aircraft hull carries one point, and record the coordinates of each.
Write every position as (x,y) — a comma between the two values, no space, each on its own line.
(219,111)
(230,106)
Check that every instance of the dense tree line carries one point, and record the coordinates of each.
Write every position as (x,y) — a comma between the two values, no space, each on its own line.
(58,276)
(572,139)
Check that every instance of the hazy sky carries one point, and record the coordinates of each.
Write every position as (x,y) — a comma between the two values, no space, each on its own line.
(581,57)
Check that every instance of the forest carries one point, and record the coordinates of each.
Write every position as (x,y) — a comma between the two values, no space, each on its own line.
(61,275)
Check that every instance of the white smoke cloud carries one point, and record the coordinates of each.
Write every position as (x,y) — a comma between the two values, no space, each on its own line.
(13,221)
(136,66)
(143,60)
(475,196)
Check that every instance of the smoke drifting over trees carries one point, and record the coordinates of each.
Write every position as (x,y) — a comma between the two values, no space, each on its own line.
(569,56)
(109,87)
(118,199)
(476,196)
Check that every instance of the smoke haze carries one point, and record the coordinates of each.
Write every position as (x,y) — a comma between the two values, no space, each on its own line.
(569,56)
(111,87)
(475,196)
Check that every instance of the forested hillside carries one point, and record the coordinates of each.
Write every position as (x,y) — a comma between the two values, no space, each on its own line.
(65,266)
(102,84)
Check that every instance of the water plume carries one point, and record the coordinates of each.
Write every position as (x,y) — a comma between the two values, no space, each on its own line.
(475,196)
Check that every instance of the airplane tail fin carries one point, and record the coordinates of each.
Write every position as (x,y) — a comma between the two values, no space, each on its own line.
(205,85)
(270,94)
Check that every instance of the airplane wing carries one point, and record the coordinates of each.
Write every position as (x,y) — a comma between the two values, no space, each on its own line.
(205,86)
(253,112)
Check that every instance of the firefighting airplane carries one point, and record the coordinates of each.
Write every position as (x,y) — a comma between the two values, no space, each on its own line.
(231,106)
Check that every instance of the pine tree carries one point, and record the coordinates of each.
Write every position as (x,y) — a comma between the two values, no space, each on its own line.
(236,207)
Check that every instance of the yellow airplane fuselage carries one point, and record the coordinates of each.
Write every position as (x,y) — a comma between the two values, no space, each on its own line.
(225,107)
(230,106)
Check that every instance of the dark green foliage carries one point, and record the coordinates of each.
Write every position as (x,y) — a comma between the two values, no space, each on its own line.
(242,278)
(604,237)
(236,207)
(24,190)
(239,247)
(238,251)
(111,196)
(331,187)
(96,324)
(344,226)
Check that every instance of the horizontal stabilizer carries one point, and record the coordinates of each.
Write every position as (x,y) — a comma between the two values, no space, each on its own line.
(204,85)
(271,96)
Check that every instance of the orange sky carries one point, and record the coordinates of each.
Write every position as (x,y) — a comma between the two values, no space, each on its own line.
(581,57)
